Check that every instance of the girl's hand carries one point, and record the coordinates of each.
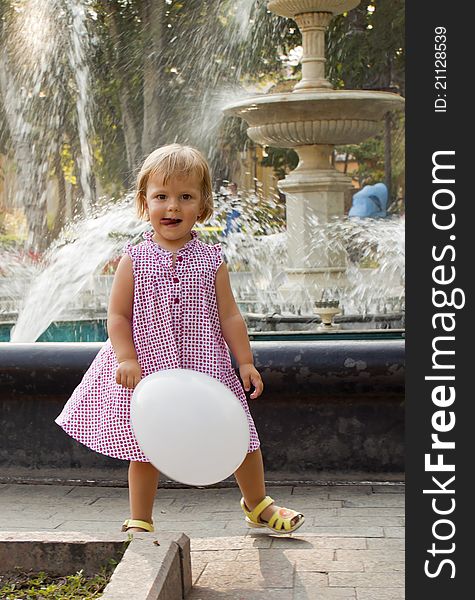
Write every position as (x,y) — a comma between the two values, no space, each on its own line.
(129,373)
(249,374)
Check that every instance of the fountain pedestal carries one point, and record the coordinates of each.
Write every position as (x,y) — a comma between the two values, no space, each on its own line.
(315,194)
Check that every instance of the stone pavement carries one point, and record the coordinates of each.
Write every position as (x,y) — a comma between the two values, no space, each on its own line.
(350,547)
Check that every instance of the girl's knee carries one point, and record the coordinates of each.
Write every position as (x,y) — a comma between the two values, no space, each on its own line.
(143,466)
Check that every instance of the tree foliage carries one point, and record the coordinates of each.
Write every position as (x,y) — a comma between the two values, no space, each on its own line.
(162,71)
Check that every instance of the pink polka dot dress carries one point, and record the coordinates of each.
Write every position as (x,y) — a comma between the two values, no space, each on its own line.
(175,325)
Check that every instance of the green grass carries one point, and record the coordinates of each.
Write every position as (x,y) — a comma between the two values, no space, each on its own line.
(42,585)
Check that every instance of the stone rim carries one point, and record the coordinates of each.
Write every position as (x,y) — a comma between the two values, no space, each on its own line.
(318,105)
(290,8)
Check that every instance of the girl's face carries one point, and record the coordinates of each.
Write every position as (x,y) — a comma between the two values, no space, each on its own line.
(173,208)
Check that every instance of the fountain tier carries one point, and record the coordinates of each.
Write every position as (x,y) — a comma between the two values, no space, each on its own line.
(315,117)
(290,8)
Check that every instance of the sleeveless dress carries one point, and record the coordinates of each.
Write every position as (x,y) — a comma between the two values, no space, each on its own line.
(175,325)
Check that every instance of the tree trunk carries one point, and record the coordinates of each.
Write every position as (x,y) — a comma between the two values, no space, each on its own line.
(60,218)
(388,172)
(153,19)
(29,184)
(129,122)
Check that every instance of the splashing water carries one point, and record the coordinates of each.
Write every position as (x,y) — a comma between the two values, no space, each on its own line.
(68,266)
(255,247)
(78,48)
(37,86)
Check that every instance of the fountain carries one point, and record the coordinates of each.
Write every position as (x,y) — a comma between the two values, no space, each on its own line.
(341,399)
(312,119)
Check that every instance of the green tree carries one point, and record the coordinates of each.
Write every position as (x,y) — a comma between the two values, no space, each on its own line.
(366,50)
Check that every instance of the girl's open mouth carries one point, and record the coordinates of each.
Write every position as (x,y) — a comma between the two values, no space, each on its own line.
(170,222)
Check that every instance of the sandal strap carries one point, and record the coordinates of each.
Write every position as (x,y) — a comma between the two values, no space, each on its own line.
(263,504)
(276,521)
(137,523)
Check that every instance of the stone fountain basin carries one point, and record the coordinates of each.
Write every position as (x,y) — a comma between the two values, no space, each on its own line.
(315,117)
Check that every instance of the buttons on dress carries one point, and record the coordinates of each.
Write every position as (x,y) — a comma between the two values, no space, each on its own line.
(176,300)
(180,258)
(175,280)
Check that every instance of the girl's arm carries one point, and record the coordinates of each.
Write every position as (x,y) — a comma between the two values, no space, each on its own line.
(119,324)
(234,331)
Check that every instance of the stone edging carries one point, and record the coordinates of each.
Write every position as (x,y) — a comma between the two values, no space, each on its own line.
(152,568)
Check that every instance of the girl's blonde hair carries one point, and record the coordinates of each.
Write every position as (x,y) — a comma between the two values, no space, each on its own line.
(175,160)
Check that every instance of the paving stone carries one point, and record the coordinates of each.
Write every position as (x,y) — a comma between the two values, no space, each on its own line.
(195,507)
(197,566)
(231,575)
(388,555)
(328,566)
(50,491)
(203,593)
(193,525)
(375,500)
(389,489)
(81,491)
(98,515)
(310,580)
(164,514)
(386,543)
(28,503)
(311,491)
(217,555)
(278,492)
(109,503)
(102,526)
(372,511)
(28,521)
(346,491)
(228,543)
(347,531)
(312,593)
(7,528)
(320,513)
(366,580)
(26,494)
(29,512)
(308,502)
(383,566)
(394,532)
(380,594)
(311,540)
(241,530)
(363,521)
(292,555)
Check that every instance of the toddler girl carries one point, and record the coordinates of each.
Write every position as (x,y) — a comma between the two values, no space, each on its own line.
(171,306)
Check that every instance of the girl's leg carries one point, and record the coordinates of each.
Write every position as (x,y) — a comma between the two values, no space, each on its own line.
(143,482)
(250,478)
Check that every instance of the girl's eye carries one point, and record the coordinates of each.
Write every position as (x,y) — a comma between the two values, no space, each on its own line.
(161,196)
(186,196)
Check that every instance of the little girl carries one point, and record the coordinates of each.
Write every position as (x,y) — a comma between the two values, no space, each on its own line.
(171,306)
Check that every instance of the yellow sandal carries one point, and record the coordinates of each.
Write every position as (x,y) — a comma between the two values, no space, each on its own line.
(280,522)
(128,523)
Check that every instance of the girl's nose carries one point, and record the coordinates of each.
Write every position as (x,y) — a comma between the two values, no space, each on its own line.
(173,203)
